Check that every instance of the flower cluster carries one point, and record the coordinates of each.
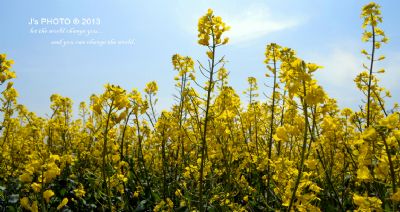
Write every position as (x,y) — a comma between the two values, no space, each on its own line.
(295,150)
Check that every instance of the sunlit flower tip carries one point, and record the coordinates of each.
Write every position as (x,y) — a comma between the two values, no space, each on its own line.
(209,11)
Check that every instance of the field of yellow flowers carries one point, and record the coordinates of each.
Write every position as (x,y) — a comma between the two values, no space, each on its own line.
(211,151)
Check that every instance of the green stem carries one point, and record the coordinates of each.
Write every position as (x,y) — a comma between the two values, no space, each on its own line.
(271,129)
(304,147)
(370,76)
(204,137)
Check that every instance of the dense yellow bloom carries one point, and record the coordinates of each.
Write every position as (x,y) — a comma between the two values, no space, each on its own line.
(367,203)
(281,134)
(295,149)
(363,174)
(52,172)
(5,72)
(180,62)
(371,14)
(151,87)
(211,27)
(391,122)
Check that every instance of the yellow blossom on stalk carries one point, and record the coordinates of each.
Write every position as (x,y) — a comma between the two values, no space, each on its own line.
(25,177)
(273,54)
(47,195)
(396,196)
(182,64)
(151,87)
(96,106)
(5,72)
(170,203)
(36,187)
(382,169)
(315,94)
(281,134)
(52,172)
(291,149)
(367,203)
(371,14)
(210,55)
(363,174)
(79,192)
(369,134)
(160,206)
(34,207)
(211,27)
(62,204)
(25,203)
(178,193)
(122,178)
(136,194)
(391,122)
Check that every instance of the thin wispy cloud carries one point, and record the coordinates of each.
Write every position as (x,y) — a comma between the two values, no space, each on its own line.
(392,75)
(340,67)
(256,22)
(248,23)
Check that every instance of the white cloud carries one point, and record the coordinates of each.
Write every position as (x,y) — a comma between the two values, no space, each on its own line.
(343,63)
(340,67)
(247,23)
(392,75)
(255,22)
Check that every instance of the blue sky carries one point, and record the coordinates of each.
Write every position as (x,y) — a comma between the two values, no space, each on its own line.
(325,32)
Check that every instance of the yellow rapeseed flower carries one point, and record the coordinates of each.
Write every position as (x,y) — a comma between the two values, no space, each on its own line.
(62,204)
(47,195)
